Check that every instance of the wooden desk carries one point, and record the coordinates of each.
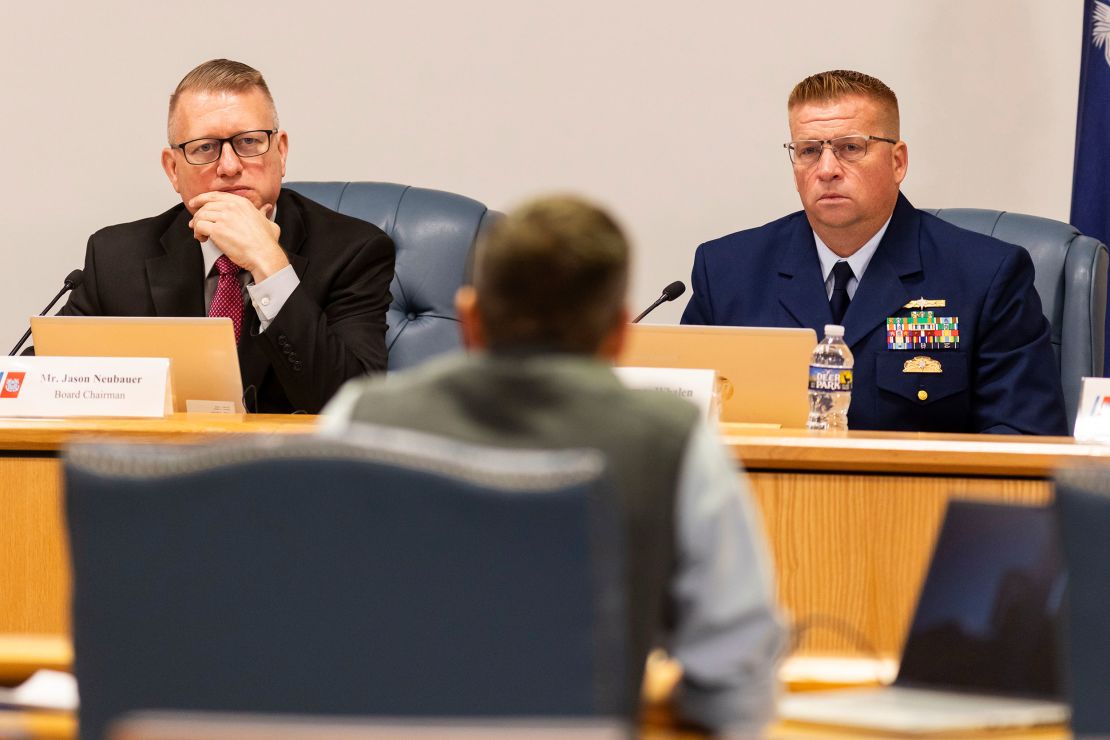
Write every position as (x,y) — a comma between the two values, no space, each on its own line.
(34,567)
(852,519)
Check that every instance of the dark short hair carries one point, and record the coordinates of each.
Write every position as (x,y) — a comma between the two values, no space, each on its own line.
(551,275)
(824,87)
(220,75)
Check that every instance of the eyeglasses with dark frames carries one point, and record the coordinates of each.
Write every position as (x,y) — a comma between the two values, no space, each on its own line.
(244,144)
(807,152)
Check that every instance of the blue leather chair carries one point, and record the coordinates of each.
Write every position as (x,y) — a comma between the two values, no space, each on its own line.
(408,575)
(434,232)
(1071,283)
(1082,503)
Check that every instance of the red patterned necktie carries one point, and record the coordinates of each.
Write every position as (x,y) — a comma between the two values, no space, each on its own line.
(228,298)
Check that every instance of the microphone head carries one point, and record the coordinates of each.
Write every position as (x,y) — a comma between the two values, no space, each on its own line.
(74,279)
(674,290)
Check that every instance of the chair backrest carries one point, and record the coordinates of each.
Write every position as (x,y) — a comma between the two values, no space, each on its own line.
(1070,281)
(1083,506)
(434,232)
(413,576)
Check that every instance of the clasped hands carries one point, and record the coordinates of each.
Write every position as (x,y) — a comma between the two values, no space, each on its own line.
(242,232)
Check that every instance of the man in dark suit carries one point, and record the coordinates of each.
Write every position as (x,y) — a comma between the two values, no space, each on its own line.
(945,325)
(306,288)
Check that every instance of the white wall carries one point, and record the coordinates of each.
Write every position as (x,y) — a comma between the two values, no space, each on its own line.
(671,114)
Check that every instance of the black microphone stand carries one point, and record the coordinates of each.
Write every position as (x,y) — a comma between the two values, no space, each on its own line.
(67,286)
(672,291)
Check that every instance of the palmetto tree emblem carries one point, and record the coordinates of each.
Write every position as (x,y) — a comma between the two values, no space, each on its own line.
(1100,28)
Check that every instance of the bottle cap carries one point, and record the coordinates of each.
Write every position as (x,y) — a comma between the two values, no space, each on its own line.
(834,330)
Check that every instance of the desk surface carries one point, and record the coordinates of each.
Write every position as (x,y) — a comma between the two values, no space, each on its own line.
(757,448)
(658,721)
(997,455)
(39,435)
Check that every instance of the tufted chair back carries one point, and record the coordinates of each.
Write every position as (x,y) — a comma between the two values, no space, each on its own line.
(434,232)
(427,578)
(1070,281)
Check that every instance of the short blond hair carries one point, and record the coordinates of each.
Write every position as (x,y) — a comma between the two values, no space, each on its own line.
(220,75)
(824,87)
(552,275)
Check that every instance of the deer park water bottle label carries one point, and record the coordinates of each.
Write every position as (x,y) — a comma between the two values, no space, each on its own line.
(830,378)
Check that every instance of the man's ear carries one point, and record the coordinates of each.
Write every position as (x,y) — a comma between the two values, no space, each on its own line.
(169,164)
(470,320)
(901,161)
(283,148)
(613,343)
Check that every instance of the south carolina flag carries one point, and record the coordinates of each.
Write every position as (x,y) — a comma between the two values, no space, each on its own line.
(1090,193)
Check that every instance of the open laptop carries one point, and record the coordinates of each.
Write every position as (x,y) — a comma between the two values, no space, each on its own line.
(982,649)
(204,361)
(763,373)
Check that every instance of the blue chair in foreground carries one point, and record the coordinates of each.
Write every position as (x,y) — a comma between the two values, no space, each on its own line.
(1083,507)
(407,576)
(1071,283)
(434,232)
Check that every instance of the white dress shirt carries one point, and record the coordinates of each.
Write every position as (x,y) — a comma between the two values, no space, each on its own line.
(858,261)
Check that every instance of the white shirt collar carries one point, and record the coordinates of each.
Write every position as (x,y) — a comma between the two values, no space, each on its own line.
(858,261)
(210,252)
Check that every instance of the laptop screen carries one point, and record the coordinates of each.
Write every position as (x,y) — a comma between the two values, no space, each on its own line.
(987,616)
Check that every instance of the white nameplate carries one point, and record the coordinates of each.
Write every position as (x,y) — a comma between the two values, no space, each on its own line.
(85,386)
(696,386)
(1092,418)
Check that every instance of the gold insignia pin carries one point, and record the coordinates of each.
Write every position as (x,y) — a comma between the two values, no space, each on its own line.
(921,364)
(922,303)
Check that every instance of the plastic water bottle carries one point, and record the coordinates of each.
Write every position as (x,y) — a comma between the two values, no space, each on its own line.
(830,381)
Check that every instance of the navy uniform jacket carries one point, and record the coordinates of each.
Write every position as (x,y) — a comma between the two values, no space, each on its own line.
(1002,377)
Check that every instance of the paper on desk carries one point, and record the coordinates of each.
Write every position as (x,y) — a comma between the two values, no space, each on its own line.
(44,690)
(836,670)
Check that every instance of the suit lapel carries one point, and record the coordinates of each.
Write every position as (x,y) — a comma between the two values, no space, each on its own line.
(293,233)
(801,287)
(177,277)
(882,293)
(253,362)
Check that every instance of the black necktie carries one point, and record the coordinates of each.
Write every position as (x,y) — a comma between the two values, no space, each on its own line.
(842,273)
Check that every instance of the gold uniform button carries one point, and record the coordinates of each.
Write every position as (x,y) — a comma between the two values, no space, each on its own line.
(922,395)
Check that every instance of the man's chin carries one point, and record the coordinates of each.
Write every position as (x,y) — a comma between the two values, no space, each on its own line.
(247,193)
(833,211)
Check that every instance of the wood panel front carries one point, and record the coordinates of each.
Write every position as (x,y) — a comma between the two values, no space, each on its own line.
(34,564)
(851,519)
(851,550)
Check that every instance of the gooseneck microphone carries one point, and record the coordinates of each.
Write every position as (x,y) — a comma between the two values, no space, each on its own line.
(72,280)
(672,291)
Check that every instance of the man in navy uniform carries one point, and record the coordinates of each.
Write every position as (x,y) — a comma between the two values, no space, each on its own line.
(945,325)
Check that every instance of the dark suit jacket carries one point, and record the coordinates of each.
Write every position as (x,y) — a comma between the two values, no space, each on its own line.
(331,329)
(1002,377)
